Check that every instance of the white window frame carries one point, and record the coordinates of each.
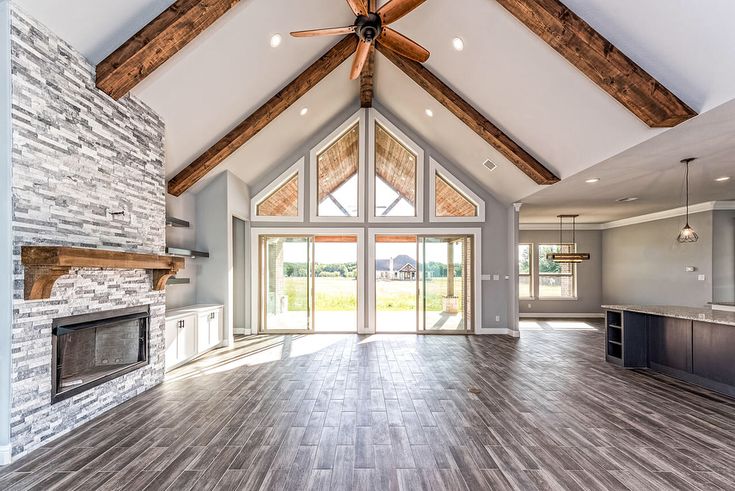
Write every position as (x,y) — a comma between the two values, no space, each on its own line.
(436,168)
(255,299)
(374,118)
(295,169)
(539,274)
(530,274)
(359,118)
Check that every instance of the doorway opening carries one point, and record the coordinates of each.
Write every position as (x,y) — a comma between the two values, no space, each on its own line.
(423,283)
(308,283)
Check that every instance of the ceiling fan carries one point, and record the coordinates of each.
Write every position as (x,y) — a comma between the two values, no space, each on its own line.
(373,27)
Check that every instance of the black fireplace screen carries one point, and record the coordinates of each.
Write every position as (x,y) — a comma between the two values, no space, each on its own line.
(93,348)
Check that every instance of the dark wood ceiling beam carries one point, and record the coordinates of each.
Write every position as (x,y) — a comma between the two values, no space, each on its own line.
(158,41)
(262,116)
(601,61)
(472,118)
(366,80)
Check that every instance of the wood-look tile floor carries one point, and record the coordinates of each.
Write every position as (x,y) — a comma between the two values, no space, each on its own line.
(394,412)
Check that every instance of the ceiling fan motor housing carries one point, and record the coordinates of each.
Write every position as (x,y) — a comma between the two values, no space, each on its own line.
(368,27)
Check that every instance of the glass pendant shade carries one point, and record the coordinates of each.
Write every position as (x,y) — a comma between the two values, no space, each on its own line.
(687,234)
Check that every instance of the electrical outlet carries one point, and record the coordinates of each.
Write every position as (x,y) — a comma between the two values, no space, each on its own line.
(497,318)
(529,305)
(701,277)
(496,277)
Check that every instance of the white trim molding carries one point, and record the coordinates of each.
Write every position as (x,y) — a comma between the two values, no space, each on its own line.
(295,169)
(436,168)
(376,118)
(649,217)
(358,118)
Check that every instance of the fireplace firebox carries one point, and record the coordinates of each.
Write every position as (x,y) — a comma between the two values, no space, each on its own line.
(91,349)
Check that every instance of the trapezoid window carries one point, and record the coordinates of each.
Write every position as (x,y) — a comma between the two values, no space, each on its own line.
(396,173)
(337,170)
(282,200)
(450,202)
(450,199)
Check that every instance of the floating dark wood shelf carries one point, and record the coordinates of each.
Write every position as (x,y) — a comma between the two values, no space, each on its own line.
(44,265)
(177,222)
(178,281)
(178,251)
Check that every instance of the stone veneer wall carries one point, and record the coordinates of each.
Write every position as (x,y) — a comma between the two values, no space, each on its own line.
(77,156)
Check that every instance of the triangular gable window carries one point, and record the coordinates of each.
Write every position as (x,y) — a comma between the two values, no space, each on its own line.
(451,200)
(282,200)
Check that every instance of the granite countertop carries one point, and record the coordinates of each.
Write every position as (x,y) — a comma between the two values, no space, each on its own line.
(689,313)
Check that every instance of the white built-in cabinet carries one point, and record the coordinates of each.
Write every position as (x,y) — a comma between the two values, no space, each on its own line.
(191,331)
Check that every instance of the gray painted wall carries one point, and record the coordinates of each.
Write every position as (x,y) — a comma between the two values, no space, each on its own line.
(240,271)
(644,264)
(723,256)
(496,258)
(183,207)
(589,273)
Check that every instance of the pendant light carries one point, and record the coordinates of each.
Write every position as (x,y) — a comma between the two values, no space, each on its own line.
(568,257)
(687,234)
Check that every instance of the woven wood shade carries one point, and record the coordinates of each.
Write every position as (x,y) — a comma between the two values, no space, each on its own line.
(395,164)
(283,202)
(450,202)
(338,163)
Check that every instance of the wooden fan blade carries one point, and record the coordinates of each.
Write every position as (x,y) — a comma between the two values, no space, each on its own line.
(395,41)
(330,31)
(395,9)
(361,55)
(358,7)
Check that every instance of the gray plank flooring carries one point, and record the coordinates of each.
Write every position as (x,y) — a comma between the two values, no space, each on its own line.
(394,412)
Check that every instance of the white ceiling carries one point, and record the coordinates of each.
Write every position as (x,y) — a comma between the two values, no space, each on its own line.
(509,74)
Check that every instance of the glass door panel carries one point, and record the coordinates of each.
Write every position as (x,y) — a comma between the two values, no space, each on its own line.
(335,283)
(395,283)
(445,286)
(286,288)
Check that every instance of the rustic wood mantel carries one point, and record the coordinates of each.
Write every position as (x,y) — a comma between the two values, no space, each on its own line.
(44,265)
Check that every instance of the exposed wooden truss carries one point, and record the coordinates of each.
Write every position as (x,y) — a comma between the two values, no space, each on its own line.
(262,116)
(366,80)
(158,41)
(472,118)
(601,61)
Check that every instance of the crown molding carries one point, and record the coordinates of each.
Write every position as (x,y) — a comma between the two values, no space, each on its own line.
(649,217)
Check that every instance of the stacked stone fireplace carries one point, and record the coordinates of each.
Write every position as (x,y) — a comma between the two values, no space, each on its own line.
(87,171)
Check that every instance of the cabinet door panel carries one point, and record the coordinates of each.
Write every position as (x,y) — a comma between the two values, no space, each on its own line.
(215,328)
(712,352)
(172,332)
(203,342)
(187,339)
(670,342)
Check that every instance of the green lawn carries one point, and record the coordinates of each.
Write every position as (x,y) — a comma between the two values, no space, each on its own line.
(340,294)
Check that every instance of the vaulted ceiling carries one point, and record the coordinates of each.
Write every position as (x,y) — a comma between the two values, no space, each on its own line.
(506,72)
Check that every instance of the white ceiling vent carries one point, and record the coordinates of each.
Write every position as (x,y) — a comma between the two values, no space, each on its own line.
(489,165)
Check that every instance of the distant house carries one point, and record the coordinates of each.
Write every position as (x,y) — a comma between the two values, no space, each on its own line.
(401,267)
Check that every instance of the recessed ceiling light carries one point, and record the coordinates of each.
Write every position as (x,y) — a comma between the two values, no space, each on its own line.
(276,40)
(627,199)
(723,179)
(303,111)
(429,113)
(458,44)
(592,180)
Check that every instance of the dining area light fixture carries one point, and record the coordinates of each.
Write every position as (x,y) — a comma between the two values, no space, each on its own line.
(568,257)
(687,235)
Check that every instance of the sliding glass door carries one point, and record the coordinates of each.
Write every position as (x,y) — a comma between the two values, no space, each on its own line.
(308,283)
(423,283)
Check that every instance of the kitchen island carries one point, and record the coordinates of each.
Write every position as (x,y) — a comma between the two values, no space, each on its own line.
(696,345)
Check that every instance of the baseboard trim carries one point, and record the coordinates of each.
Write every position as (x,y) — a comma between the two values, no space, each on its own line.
(6,454)
(542,315)
(498,330)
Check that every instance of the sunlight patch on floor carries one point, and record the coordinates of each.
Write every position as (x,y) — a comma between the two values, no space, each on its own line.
(570,326)
(529,326)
